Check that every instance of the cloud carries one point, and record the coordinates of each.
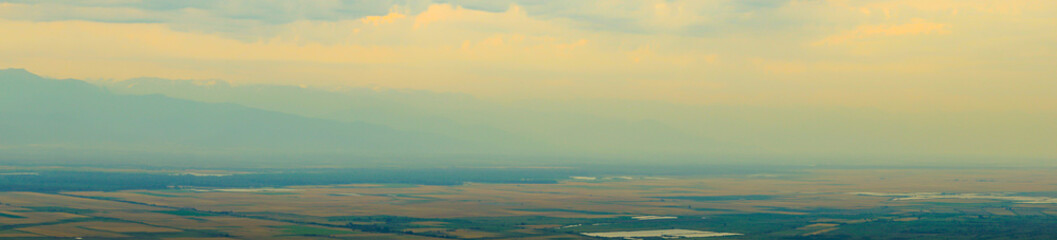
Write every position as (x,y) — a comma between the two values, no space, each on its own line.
(393,15)
(916,26)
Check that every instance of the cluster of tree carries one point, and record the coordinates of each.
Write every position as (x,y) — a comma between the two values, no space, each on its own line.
(383,228)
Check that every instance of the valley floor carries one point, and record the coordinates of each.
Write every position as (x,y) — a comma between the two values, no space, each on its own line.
(819,204)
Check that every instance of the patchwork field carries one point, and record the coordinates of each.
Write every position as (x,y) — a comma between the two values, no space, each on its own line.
(820,203)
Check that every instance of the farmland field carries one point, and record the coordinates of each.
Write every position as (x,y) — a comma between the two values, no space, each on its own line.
(805,203)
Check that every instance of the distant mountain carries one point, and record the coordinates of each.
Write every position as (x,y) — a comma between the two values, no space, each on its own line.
(518,127)
(403,110)
(71,119)
(45,113)
(640,129)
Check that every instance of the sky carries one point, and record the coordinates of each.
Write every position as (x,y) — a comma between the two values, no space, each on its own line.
(902,55)
(988,59)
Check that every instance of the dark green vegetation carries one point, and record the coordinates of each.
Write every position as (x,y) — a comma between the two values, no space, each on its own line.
(504,225)
(156,194)
(309,231)
(61,209)
(563,210)
(720,198)
(188,212)
(10,216)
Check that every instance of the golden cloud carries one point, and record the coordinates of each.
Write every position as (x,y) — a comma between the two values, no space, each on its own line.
(917,26)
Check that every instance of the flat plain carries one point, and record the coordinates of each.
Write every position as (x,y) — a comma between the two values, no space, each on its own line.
(815,204)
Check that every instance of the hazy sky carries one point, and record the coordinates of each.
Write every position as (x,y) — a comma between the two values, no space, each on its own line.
(896,55)
(870,77)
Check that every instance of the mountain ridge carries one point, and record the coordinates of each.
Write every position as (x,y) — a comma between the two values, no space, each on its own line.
(51,112)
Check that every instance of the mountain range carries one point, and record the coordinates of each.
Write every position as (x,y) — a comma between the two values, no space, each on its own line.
(53,114)
(69,118)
